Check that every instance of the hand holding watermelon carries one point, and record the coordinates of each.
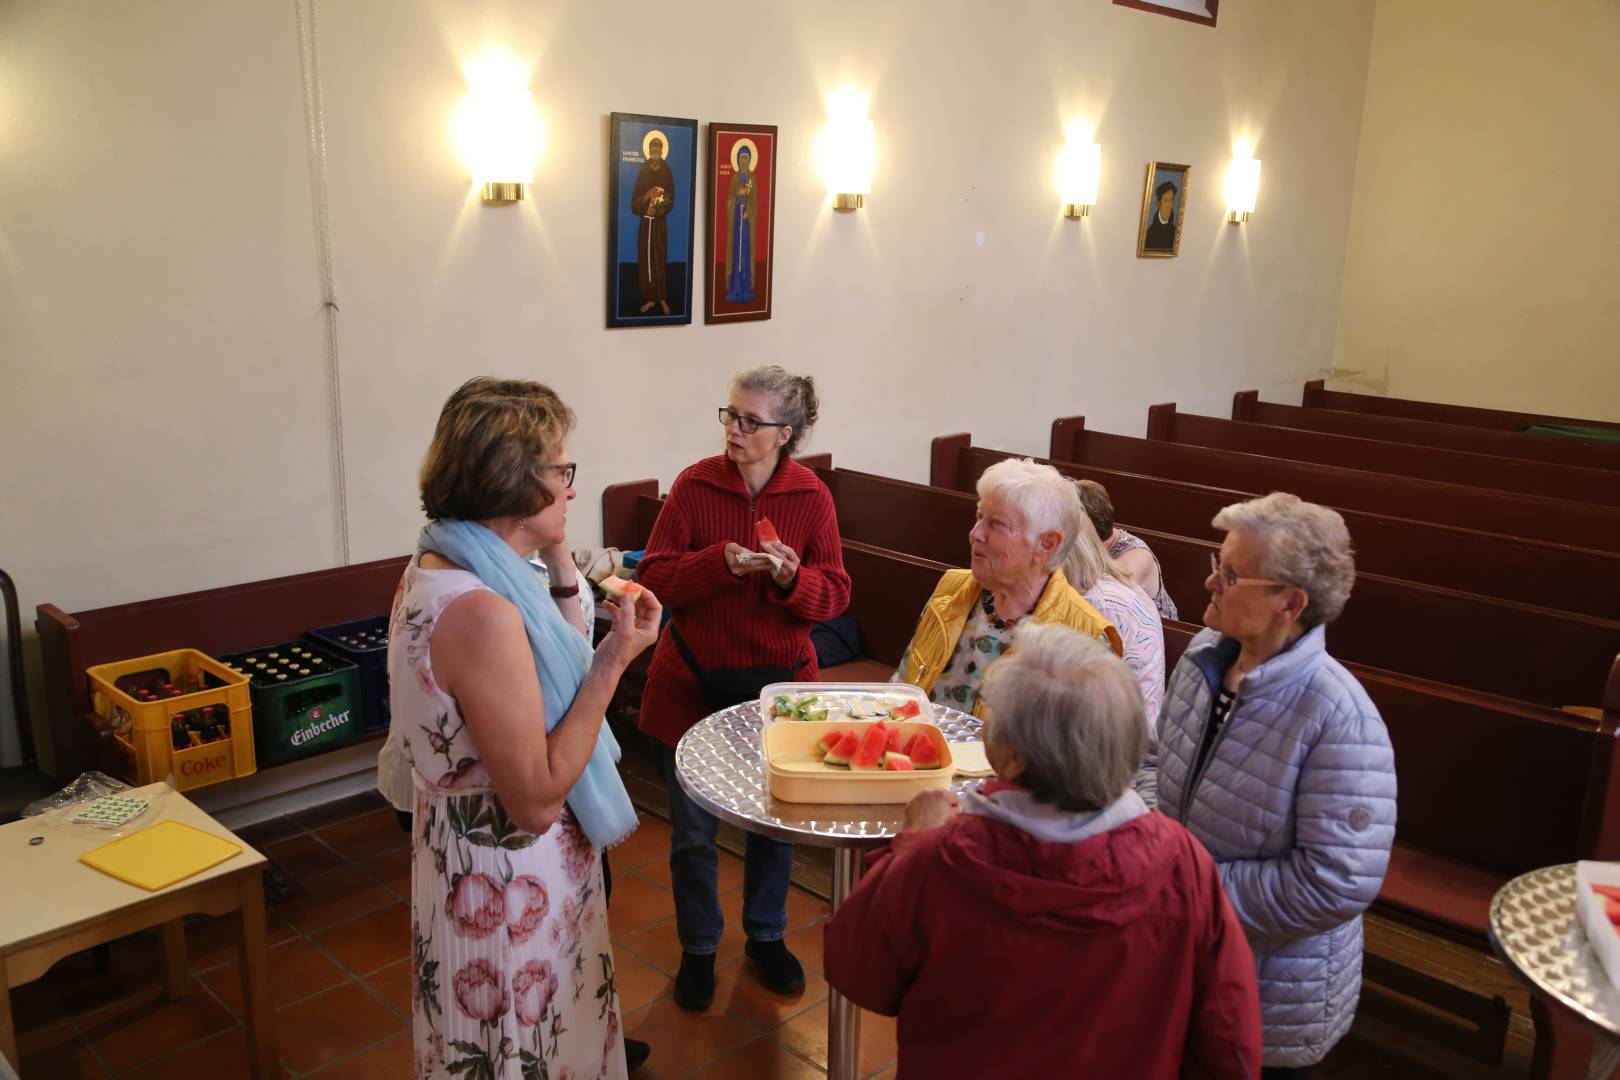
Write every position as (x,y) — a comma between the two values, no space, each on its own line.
(929,810)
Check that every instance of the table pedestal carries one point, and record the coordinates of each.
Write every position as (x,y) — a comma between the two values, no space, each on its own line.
(843,1018)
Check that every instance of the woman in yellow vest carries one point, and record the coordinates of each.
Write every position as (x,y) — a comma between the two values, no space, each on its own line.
(1029,516)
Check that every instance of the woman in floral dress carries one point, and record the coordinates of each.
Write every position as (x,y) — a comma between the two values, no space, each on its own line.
(501,702)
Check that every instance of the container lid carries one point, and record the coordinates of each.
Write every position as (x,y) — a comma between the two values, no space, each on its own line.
(841,702)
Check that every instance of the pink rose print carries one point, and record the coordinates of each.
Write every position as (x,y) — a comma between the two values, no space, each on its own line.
(477,903)
(565,931)
(533,988)
(526,906)
(416,659)
(611,1040)
(469,775)
(481,992)
(578,853)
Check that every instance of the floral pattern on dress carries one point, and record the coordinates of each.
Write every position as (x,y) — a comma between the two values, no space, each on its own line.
(512,966)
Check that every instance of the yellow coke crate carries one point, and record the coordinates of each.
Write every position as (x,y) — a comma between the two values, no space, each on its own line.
(153,703)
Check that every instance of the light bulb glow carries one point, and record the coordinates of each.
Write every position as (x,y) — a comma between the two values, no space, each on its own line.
(847,148)
(1079,167)
(496,128)
(1242,185)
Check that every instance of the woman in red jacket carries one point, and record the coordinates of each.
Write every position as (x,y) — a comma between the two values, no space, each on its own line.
(731,609)
(1054,926)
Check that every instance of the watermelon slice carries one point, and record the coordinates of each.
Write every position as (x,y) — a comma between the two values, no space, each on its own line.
(869,754)
(897,741)
(618,588)
(924,752)
(1611,891)
(905,711)
(764,531)
(1611,908)
(845,748)
(893,762)
(830,740)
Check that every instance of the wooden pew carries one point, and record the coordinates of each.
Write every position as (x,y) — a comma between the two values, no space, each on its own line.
(1247,406)
(1513,568)
(1317,396)
(1373,455)
(1556,520)
(1516,650)
(215,621)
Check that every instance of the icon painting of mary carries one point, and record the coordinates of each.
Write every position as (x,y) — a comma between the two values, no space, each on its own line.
(741,208)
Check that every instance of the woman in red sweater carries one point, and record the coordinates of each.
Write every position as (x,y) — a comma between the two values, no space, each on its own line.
(731,608)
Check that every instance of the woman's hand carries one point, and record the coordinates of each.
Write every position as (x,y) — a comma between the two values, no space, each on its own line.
(636,619)
(929,810)
(790,562)
(557,557)
(737,566)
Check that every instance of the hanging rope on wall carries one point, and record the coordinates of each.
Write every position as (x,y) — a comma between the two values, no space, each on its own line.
(309,60)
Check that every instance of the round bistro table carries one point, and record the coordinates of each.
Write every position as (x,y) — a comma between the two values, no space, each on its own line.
(721,766)
(1535,931)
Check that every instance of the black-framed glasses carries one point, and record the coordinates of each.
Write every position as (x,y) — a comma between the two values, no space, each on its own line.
(568,469)
(745,423)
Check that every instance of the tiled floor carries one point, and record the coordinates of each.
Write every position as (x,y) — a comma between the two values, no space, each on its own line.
(340,976)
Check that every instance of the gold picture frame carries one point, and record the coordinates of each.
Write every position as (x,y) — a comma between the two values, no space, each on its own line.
(1153,232)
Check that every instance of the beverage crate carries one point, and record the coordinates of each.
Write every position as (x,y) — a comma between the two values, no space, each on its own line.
(180,713)
(364,642)
(305,700)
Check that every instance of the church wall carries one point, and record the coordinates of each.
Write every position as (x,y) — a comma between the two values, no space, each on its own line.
(1484,258)
(166,422)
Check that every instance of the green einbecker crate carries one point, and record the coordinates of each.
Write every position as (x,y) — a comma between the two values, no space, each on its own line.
(305,700)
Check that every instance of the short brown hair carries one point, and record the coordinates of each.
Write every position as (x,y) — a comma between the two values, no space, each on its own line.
(1099,508)
(484,462)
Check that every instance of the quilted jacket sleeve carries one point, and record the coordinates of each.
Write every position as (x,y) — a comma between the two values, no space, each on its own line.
(1344,823)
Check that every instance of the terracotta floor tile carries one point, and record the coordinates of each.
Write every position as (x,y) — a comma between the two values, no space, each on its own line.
(372,941)
(807,1035)
(393,870)
(57,1052)
(297,970)
(333,1026)
(302,856)
(211,942)
(887,1074)
(394,983)
(638,982)
(658,945)
(220,1057)
(729,872)
(333,897)
(367,835)
(268,832)
(637,902)
(388,1060)
(808,945)
(351,806)
(682,1040)
(650,841)
(762,1059)
(126,1037)
(737,989)
(802,908)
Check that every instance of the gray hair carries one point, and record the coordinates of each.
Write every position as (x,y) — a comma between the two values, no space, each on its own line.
(795,397)
(1307,546)
(1043,497)
(1072,710)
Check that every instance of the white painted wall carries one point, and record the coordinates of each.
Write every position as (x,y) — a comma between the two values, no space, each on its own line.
(1484,254)
(164,423)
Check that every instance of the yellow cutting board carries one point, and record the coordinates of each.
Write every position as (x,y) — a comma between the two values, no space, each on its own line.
(157,857)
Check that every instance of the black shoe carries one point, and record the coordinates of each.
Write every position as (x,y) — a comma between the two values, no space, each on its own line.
(636,1053)
(694,983)
(778,968)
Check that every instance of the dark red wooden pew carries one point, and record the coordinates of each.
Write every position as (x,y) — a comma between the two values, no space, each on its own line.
(1318,396)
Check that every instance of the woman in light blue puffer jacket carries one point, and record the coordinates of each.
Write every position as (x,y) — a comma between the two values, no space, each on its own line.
(1272,755)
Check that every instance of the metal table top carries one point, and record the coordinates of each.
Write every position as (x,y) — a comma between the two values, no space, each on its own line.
(720,765)
(1537,933)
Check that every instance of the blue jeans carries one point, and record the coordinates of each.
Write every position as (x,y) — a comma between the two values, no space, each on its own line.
(694,871)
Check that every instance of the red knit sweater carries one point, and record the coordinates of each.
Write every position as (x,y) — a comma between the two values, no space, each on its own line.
(725,620)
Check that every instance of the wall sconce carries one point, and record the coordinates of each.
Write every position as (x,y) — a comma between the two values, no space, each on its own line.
(496,128)
(847,151)
(1079,167)
(1242,186)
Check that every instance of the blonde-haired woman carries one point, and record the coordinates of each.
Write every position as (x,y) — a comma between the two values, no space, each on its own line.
(1109,587)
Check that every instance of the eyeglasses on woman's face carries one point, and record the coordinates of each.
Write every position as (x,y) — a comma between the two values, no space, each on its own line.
(1226,578)
(567,469)
(745,423)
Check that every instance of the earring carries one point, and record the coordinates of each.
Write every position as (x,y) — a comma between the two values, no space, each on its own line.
(521,522)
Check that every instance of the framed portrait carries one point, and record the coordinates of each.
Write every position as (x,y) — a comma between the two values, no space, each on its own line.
(1198,11)
(1164,205)
(741,237)
(652,192)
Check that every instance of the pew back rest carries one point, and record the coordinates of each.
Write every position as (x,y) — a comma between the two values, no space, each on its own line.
(1317,396)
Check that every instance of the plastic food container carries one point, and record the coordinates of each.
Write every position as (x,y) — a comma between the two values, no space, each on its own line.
(793,765)
(1600,932)
(845,701)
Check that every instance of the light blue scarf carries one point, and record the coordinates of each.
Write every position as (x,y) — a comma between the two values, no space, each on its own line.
(562,656)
